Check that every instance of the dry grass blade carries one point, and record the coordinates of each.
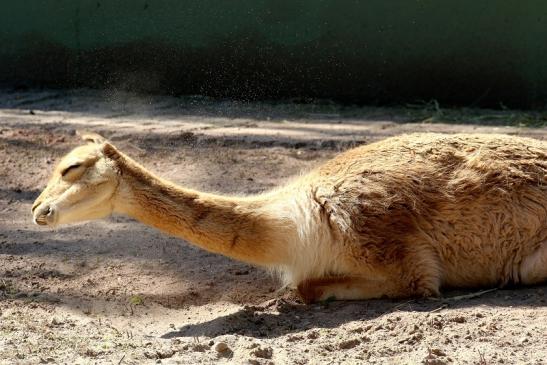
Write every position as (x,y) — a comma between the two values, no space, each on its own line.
(466,296)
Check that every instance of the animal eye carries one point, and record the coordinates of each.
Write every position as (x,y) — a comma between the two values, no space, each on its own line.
(71,167)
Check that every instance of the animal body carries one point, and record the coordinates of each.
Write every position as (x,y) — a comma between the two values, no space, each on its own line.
(402,217)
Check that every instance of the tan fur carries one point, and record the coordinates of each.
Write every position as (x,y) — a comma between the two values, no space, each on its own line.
(402,217)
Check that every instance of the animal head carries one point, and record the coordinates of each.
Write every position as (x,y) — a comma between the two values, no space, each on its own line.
(82,186)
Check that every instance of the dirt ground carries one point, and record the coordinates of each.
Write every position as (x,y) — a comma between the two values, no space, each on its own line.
(117,292)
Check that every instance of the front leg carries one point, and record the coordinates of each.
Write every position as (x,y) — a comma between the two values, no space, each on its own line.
(358,288)
(342,288)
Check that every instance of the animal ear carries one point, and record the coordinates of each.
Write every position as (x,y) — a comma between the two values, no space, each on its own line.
(91,137)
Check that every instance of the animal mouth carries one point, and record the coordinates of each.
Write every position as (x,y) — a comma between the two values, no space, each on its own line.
(45,217)
(41,220)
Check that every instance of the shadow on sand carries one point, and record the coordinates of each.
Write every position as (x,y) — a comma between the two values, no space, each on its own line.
(257,321)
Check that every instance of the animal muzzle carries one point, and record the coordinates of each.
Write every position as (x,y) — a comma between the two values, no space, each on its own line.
(44,214)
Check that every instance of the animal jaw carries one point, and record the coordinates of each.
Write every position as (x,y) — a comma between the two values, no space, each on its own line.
(401,217)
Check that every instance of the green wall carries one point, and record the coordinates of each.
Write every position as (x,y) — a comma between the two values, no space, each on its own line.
(461,52)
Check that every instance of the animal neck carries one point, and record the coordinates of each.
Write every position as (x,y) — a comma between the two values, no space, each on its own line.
(241,228)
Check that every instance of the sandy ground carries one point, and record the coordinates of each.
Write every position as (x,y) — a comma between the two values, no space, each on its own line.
(117,292)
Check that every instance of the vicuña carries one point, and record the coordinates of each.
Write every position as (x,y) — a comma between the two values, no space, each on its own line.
(403,217)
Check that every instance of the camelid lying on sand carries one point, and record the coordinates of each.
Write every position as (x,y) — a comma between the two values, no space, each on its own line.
(401,217)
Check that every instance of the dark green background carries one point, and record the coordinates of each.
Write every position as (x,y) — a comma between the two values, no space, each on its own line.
(460,52)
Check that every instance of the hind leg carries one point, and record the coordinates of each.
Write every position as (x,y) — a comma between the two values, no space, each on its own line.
(533,269)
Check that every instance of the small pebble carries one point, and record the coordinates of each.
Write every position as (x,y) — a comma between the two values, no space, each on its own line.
(222,347)
(264,353)
(438,352)
(349,344)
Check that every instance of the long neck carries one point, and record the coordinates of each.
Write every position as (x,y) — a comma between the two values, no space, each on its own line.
(236,227)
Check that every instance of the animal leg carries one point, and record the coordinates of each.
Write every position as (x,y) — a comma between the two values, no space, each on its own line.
(345,288)
(533,269)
